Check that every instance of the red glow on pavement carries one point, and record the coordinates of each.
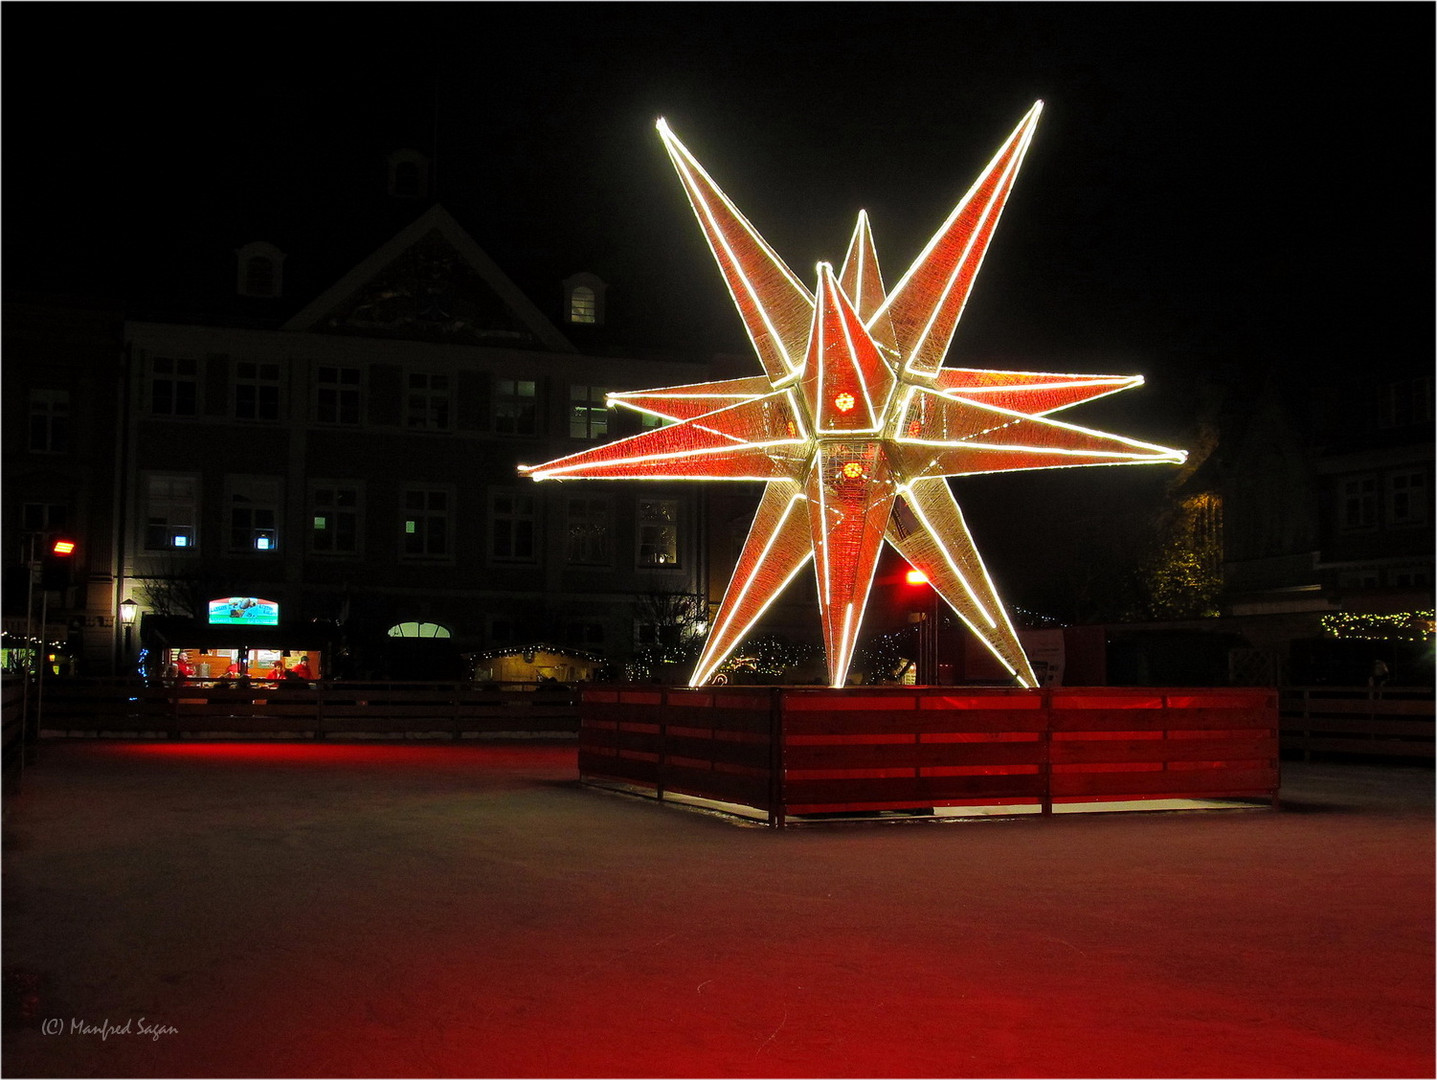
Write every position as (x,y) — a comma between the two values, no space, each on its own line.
(437,755)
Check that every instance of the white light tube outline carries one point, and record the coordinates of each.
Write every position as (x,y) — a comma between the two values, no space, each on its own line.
(911,501)
(1024,132)
(701,674)
(687,168)
(823,423)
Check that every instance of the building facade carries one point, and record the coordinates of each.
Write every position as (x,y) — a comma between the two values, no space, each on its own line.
(354,472)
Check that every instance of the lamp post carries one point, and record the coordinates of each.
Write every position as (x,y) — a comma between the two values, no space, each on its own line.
(927,674)
(54,575)
(128,610)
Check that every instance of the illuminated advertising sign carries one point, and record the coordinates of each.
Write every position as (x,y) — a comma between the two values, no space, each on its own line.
(244,611)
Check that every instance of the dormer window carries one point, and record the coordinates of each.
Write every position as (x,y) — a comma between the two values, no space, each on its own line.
(261,270)
(408,174)
(584,300)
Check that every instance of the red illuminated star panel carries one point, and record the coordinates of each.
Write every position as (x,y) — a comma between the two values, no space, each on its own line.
(854,426)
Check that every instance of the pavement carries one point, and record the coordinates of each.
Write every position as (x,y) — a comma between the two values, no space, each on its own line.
(469,909)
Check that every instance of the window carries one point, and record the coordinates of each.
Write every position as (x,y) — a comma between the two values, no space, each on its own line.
(649,634)
(256,391)
(1405,403)
(254,509)
(515,407)
(585,635)
(261,270)
(334,510)
(512,528)
(40,520)
(427,405)
(588,412)
(259,276)
(582,308)
(584,300)
(1407,498)
(171,512)
(43,517)
(426,523)
(418,630)
(337,395)
(1358,504)
(590,537)
(49,421)
(174,386)
(408,174)
(658,532)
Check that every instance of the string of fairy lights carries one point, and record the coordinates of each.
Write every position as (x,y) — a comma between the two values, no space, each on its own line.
(1398,626)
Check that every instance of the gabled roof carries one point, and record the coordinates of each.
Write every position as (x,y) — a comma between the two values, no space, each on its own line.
(431,282)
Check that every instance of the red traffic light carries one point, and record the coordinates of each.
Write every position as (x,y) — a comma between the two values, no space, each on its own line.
(915,577)
(63,547)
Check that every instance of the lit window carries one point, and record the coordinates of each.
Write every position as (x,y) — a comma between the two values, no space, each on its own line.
(49,421)
(658,533)
(590,537)
(418,630)
(427,404)
(337,395)
(425,523)
(584,300)
(254,509)
(512,526)
(171,511)
(516,407)
(582,308)
(256,391)
(174,386)
(588,412)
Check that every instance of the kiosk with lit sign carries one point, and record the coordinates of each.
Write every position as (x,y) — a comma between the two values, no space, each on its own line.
(241,637)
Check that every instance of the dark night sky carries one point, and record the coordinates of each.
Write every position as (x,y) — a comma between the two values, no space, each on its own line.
(1207,176)
(1212,187)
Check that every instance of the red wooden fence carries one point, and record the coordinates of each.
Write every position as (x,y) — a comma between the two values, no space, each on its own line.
(782,752)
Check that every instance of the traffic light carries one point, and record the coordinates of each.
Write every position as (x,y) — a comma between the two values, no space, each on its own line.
(55,566)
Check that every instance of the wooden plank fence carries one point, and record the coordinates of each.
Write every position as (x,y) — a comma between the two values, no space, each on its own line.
(12,691)
(785,752)
(1358,721)
(324,710)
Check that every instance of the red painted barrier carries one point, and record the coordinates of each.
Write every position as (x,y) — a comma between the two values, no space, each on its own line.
(781,752)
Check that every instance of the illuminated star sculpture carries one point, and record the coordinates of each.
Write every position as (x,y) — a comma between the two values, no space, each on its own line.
(854,426)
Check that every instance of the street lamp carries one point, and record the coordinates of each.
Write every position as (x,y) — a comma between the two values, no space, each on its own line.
(128,608)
